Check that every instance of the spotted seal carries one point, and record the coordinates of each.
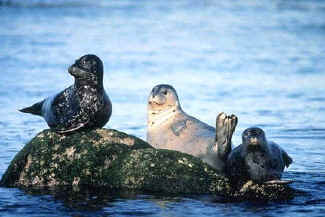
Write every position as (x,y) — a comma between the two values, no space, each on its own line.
(169,127)
(84,105)
(257,159)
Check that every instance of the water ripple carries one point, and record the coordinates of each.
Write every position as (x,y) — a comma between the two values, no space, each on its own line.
(261,60)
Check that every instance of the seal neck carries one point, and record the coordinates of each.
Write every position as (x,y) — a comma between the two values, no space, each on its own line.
(158,117)
(95,84)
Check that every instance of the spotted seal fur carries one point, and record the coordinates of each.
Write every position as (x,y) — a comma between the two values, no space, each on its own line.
(84,105)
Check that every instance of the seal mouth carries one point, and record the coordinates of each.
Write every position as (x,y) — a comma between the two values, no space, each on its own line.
(254,141)
(154,103)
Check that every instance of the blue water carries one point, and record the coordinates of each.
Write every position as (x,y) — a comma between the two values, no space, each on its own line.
(262,60)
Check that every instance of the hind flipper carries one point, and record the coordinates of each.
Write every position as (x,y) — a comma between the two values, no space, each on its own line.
(35,109)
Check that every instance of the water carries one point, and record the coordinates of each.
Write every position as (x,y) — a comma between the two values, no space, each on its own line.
(261,60)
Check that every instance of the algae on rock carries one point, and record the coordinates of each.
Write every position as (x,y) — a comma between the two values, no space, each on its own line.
(108,158)
(112,159)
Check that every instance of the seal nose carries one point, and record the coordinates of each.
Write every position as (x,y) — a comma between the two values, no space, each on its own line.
(72,70)
(253,140)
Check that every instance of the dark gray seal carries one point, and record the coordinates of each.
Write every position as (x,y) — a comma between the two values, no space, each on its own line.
(84,105)
(257,159)
(169,127)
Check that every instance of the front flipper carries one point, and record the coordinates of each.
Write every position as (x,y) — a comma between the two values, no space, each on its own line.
(278,182)
(225,127)
(71,128)
(178,127)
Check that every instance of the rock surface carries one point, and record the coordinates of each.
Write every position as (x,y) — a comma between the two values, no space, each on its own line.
(114,160)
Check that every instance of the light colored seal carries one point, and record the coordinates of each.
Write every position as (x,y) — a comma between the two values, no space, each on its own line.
(257,159)
(169,127)
(84,105)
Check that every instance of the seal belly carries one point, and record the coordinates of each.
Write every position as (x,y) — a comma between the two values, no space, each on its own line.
(259,167)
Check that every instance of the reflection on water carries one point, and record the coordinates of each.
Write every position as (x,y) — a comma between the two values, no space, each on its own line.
(261,60)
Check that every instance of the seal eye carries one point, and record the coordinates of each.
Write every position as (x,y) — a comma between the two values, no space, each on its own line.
(165,92)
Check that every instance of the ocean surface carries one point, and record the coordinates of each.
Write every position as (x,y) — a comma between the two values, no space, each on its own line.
(263,60)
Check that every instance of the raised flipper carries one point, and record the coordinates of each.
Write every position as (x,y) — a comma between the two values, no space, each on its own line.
(225,127)
(35,109)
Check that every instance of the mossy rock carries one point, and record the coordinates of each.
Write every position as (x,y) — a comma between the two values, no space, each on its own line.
(114,160)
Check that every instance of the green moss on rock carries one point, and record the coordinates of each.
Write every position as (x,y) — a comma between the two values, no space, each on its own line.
(112,159)
(168,171)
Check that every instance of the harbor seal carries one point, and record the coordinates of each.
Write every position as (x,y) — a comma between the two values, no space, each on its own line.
(84,105)
(257,159)
(169,127)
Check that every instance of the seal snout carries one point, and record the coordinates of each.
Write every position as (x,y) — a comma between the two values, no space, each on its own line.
(156,98)
(253,141)
(72,70)
(155,101)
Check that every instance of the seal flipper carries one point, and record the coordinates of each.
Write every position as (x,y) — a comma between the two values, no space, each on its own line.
(278,182)
(286,158)
(67,130)
(178,127)
(35,109)
(71,126)
(225,127)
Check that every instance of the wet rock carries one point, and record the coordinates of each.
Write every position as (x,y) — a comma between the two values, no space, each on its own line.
(261,192)
(114,160)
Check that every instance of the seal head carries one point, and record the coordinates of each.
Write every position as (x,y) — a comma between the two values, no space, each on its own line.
(162,104)
(253,139)
(88,70)
(84,105)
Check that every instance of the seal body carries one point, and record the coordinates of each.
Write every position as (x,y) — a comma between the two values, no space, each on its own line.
(257,159)
(169,127)
(84,105)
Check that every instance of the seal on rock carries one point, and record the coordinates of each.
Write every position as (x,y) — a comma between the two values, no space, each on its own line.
(84,105)
(257,159)
(169,127)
